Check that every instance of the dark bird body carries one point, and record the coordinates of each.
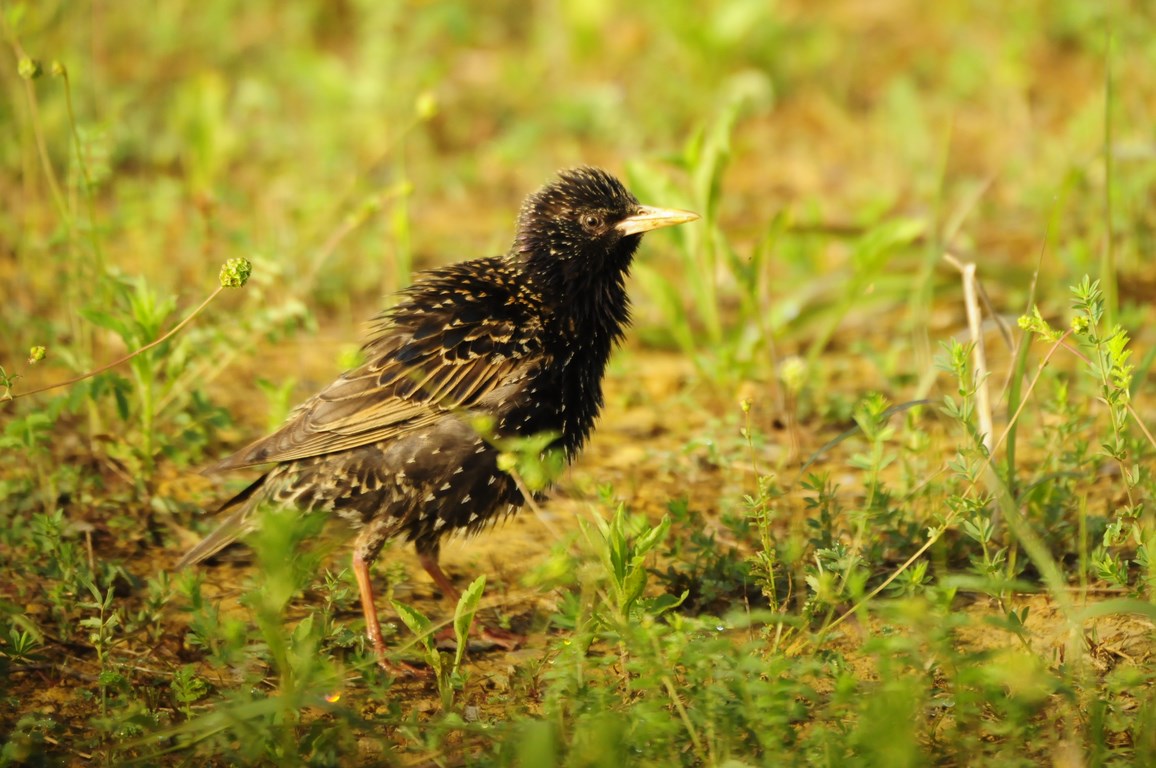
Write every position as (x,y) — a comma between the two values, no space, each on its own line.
(519,343)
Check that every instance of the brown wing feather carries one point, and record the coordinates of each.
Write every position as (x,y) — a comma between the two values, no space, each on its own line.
(425,358)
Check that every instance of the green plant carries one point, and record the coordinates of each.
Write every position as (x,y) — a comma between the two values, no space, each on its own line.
(1106,357)
(695,321)
(448,671)
(188,688)
(103,630)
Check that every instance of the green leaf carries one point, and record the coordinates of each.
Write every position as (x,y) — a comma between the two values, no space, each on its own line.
(464,616)
(108,321)
(418,624)
(665,602)
(303,631)
(651,538)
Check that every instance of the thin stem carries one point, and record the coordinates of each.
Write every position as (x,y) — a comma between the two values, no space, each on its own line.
(97,251)
(982,393)
(1108,262)
(175,330)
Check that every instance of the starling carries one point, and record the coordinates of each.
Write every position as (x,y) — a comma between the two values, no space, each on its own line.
(519,342)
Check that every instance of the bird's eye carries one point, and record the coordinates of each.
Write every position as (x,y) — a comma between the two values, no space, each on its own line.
(591,221)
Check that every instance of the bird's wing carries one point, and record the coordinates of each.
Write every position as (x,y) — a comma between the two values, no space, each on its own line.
(424,359)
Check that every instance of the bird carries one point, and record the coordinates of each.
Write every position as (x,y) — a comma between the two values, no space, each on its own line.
(408,442)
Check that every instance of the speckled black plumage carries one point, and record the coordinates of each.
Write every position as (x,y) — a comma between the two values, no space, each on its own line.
(522,340)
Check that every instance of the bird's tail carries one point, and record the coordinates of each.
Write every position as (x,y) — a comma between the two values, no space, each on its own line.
(234,526)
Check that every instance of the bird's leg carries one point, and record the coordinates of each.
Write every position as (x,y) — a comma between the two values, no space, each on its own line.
(364,551)
(502,638)
(365,588)
(429,561)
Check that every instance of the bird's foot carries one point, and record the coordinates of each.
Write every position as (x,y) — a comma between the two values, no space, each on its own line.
(402,670)
(502,638)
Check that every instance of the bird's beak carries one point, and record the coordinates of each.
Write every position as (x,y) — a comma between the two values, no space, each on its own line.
(646,218)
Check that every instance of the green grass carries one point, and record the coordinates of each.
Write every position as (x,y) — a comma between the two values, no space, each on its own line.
(795,540)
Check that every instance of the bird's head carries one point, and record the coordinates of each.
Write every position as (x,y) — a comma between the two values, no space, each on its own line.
(583,228)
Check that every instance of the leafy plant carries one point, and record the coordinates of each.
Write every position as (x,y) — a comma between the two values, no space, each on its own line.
(448,671)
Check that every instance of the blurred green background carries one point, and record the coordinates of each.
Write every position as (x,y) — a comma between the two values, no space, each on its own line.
(836,151)
(215,129)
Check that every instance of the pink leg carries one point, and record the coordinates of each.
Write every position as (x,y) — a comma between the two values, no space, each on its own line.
(430,563)
(504,639)
(365,588)
(372,624)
